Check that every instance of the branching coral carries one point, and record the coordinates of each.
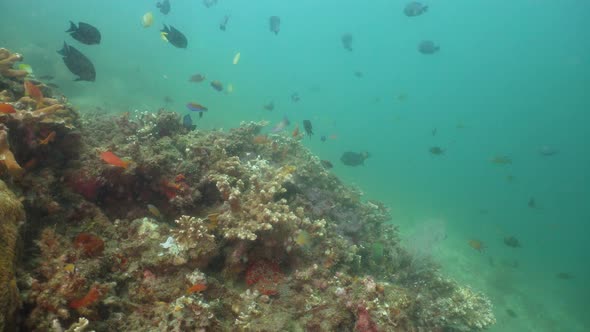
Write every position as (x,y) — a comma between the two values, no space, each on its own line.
(7,60)
(191,240)
(249,192)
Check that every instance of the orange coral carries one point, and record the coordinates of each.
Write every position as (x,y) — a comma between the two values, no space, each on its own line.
(6,155)
(90,244)
(92,296)
(265,275)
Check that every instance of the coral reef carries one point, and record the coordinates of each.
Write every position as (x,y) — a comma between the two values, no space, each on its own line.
(195,230)
(11,217)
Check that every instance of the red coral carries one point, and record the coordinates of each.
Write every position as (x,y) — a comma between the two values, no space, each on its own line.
(92,296)
(265,275)
(364,322)
(90,244)
(85,185)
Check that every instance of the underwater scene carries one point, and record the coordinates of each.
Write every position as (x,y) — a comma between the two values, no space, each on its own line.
(225,165)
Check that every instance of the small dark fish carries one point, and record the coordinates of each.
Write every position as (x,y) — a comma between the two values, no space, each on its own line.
(168,100)
(209,3)
(323,138)
(223,23)
(270,106)
(327,164)
(175,37)
(84,33)
(187,122)
(433,132)
(564,276)
(358,74)
(308,128)
(548,151)
(164,7)
(436,150)
(78,63)
(511,313)
(428,47)
(217,85)
(415,8)
(52,85)
(46,77)
(354,159)
(347,41)
(512,241)
(194,107)
(295,97)
(532,203)
(274,23)
(197,78)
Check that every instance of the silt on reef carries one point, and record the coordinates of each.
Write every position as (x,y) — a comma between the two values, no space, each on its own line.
(208,231)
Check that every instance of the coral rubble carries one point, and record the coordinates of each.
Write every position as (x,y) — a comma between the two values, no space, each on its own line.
(205,231)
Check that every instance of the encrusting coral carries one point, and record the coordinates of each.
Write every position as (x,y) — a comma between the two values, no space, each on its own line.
(142,224)
(11,216)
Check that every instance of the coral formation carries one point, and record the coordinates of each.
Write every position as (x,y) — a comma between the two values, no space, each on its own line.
(205,231)
(11,216)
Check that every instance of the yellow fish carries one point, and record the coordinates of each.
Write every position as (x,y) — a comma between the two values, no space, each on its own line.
(147,20)
(25,67)
(164,36)
(230,88)
(236,58)
(154,210)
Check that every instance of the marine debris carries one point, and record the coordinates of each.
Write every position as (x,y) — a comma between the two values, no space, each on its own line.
(251,233)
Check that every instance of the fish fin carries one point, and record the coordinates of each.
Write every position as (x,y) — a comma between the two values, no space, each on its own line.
(200,115)
(72,28)
(64,50)
(425,8)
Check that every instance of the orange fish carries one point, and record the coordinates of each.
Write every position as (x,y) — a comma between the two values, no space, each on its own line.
(112,159)
(48,139)
(477,245)
(34,92)
(296,131)
(260,139)
(196,288)
(7,109)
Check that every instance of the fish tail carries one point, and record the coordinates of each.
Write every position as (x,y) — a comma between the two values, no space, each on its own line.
(73,27)
(64,50)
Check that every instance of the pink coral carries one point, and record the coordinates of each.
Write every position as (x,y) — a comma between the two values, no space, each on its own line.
(364,322)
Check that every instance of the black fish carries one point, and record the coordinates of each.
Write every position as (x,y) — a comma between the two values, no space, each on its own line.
(564,276)
(327,164)
(436,150)
(295,97)
(532,203)
(350,158)
(175,37)
(209,3)
(270,106)
(308,128)
(78,63)
(52,85)
(512,241)
(84,33)
(323,138)
(164,6)
(415,8)
(187,122)
(275,24)
(46,77)
(347,41)
(223,23)
(428,47)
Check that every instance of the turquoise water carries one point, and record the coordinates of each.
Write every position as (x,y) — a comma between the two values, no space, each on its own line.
(511,77)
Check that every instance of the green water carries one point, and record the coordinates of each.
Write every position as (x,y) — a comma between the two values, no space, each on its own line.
(510,78)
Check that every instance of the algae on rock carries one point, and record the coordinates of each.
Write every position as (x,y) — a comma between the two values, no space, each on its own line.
(11,215)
